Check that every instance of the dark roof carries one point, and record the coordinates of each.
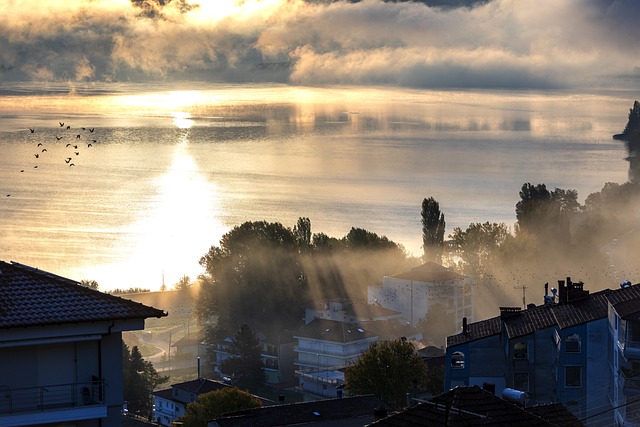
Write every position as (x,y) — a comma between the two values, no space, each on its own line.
(430,352)
(32,297)
(569,314)
(354,407)
(201,385)
(464,406)
(476,330)
(165,393)
(556,413)
(429,273)
(332,330)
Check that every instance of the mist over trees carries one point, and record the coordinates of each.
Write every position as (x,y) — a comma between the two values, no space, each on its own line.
(263,274)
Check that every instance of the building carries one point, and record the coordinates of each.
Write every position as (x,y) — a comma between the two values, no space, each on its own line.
(427,290)
(276,352)
(61,349)
(325,348)
(577,348)
(346,310)
(170,404)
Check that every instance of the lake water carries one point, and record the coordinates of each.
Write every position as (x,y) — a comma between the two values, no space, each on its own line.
(174,168)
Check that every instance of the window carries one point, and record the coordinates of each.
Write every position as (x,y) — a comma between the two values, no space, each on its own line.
(521,381)
(572,343)
(520,351)
(457,360)
(573,376)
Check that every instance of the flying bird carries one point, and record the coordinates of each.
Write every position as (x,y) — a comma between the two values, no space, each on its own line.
(39,144)
(89,145)
(67,160)
(44,149)
(77,153)
(67,145)
(61,124)
(91,130)
(58,138)
(37,155)
(78,136)
(71,165)
(68,127)
(32,130)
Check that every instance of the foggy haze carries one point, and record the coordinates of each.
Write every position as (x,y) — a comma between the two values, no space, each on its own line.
(499,43)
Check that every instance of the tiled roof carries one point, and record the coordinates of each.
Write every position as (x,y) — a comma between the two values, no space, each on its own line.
(461,407)
(32,297)
(573,313)
(164,394)
(429,273)
(332,330)
(391,329)
(476,330)
(556,413)
(337,411)
(201,385)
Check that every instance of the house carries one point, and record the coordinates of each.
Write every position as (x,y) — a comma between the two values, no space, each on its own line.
(349,311)
(429,290)
(61,349)
(577,348)
(353,411)
(170,404)
(325,348)
(276,352)
(191,346)
(473,405)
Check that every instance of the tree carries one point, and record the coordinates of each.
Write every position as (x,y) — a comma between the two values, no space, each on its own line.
(433,227)
(253,275)
(212,405)
(302,231)
(388,369)
(477,244)
(183,283)
(91,284)
(246,363)
(140,379)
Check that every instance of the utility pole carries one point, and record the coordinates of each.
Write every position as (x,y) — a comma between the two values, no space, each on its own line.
(524,295)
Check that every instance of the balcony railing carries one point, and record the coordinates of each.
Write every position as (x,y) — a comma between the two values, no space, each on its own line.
(44,398)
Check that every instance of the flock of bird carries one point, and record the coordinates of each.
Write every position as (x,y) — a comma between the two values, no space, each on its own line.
(78,138)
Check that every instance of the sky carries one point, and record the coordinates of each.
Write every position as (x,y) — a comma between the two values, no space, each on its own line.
(493,44)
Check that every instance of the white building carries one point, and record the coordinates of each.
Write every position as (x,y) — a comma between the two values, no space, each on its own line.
(427,289)
(61,349)
(325,348)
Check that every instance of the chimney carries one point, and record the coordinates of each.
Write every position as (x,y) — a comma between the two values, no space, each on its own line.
(490,387)
(281,399)
(198,367)
(465,327)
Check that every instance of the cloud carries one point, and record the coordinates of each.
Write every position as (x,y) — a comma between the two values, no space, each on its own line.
(498,43)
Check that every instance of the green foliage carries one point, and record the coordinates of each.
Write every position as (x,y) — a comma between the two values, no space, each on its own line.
(246,363)
(140,379)
(212,405)
(433,228)
(389,370)
(255,272)
(359,238)
(477,245)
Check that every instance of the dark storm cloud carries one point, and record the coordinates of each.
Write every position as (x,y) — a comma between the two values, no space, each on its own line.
(500,43)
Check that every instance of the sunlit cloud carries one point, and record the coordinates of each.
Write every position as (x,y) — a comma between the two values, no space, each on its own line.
(499,43)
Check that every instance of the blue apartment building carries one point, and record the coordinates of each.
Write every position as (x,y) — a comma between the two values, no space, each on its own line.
(578,349)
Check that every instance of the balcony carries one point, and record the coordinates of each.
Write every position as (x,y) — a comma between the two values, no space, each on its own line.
(630,349)
(52,403)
